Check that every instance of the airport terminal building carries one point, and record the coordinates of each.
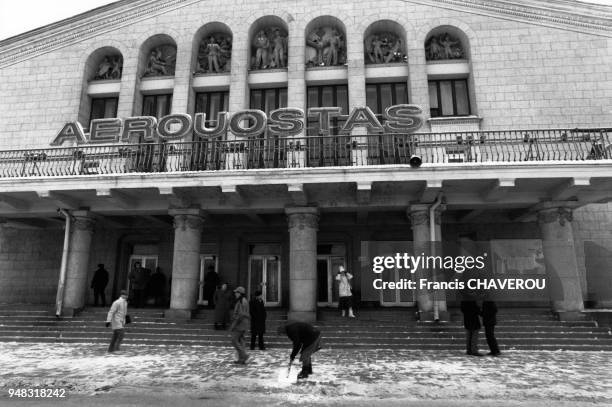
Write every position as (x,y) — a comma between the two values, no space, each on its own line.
(346,124)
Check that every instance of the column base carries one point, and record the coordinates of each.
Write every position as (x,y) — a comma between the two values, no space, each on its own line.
(428,316)
(569,316)
(68,312)
(302,316)
(178,313)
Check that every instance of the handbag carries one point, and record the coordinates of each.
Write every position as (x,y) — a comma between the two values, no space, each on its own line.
(128,319)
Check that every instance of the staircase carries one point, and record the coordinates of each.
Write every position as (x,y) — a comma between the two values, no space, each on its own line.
(521,329)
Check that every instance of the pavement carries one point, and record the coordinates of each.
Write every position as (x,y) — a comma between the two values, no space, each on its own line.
(205,376)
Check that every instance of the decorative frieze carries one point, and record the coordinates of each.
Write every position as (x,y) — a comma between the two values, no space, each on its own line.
(384,48)
(269,48)
(215,54)
(110,68)
(325,46)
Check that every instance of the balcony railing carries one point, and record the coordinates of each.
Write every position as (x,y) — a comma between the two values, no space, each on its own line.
(323,151)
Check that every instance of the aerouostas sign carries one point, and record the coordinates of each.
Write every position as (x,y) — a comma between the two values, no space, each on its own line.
(284,122)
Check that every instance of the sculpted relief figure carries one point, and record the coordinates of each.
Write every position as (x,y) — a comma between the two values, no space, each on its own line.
(443,46)
(383,47)
(269,49)
(109,68)
(161,61)
(214,54)
(327,47)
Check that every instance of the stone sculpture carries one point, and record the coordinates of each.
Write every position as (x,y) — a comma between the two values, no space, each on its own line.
(162,61)
(443,46)
(110,68)
(269,49)
(327,47)
(383,48)
(214,54)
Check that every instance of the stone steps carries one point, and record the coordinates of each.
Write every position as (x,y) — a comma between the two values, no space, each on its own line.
(520,330)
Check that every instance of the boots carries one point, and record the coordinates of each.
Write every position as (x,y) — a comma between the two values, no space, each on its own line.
(306,370)
(343,313)
(350,314)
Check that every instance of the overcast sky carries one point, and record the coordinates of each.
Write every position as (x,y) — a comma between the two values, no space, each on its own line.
(18,16)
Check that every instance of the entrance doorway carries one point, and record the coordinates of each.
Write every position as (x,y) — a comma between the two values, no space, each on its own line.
(327,269)
(397,297)
(206,261)
(264,275)
(146,261)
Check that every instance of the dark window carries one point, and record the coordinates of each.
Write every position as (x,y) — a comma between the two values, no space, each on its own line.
(380,96)
(212,103)
(156,105)
(103,108)
(327,96)
(268,99)
(449,98)
(266,151)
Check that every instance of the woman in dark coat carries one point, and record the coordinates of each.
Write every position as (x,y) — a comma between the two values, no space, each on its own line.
(471,322)
(211,281)
(223,303)
(258,320)
(489,320)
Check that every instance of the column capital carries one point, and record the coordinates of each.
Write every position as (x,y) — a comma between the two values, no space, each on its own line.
(187,218)
(83,221)
(302,217)
(554,214)
(419,214)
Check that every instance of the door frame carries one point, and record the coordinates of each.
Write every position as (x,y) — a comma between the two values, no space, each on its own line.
(331,280)
(398,301)
(264,257)
(141,258)
(203,258)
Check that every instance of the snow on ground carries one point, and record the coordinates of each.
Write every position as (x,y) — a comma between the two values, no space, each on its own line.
(340,376)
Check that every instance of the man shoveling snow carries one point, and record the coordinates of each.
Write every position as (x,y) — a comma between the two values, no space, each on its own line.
(306,338)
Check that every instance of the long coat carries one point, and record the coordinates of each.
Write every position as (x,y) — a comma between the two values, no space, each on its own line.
(470,310)
(258,316)
(117,313)
(223,302)
(489,313)
(241,315)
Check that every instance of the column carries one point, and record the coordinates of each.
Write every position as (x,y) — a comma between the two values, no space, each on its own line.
(563,281)
(303,225)
(296,92)
(429,302)
(188,225)
(77,266)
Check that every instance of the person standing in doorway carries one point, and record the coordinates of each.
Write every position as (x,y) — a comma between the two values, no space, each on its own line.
(157,287)
(223,301)
(471,323)
(99,283)
(489,320)
(139,278)
(211,281)
(306,338)
(258,320)
(344,292)
(116,320)
(240,324)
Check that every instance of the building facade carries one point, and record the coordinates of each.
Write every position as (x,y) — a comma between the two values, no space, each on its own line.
(515,110)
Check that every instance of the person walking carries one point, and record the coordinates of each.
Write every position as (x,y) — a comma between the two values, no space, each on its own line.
(307,339)
(240,324)
(471,323)
(223,302)
(258,320)
(345,293)
(99,283)
(116,319)
(489,320)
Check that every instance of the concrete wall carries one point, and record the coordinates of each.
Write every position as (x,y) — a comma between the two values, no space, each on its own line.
(524,75)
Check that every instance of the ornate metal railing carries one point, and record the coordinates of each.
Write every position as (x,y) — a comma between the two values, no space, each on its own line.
(324,151)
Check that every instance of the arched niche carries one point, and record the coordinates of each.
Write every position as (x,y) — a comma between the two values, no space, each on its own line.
(325,42)
(105,63)
(446,43)
(157,56)
(212,49)
(268,39)
(384,43)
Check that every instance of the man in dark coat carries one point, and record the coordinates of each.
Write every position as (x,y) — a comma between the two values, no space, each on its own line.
(211,281)
(139,279)
(305,337)
(258,320)
(157,286)
(471,322)
(99,283)
(489,320)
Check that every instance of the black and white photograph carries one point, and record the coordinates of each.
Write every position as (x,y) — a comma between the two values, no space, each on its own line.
(306,203)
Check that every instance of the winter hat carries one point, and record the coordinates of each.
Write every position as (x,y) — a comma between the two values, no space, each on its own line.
(123,292)
(240,290)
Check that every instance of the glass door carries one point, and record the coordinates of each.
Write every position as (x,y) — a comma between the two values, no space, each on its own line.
(327,287)
(398,297)
(207,261)
(264,275)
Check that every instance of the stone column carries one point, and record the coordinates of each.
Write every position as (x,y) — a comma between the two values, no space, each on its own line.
(296,90)
(303,224)
(563,281)
(77,266)
(188,225)
(427,300)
